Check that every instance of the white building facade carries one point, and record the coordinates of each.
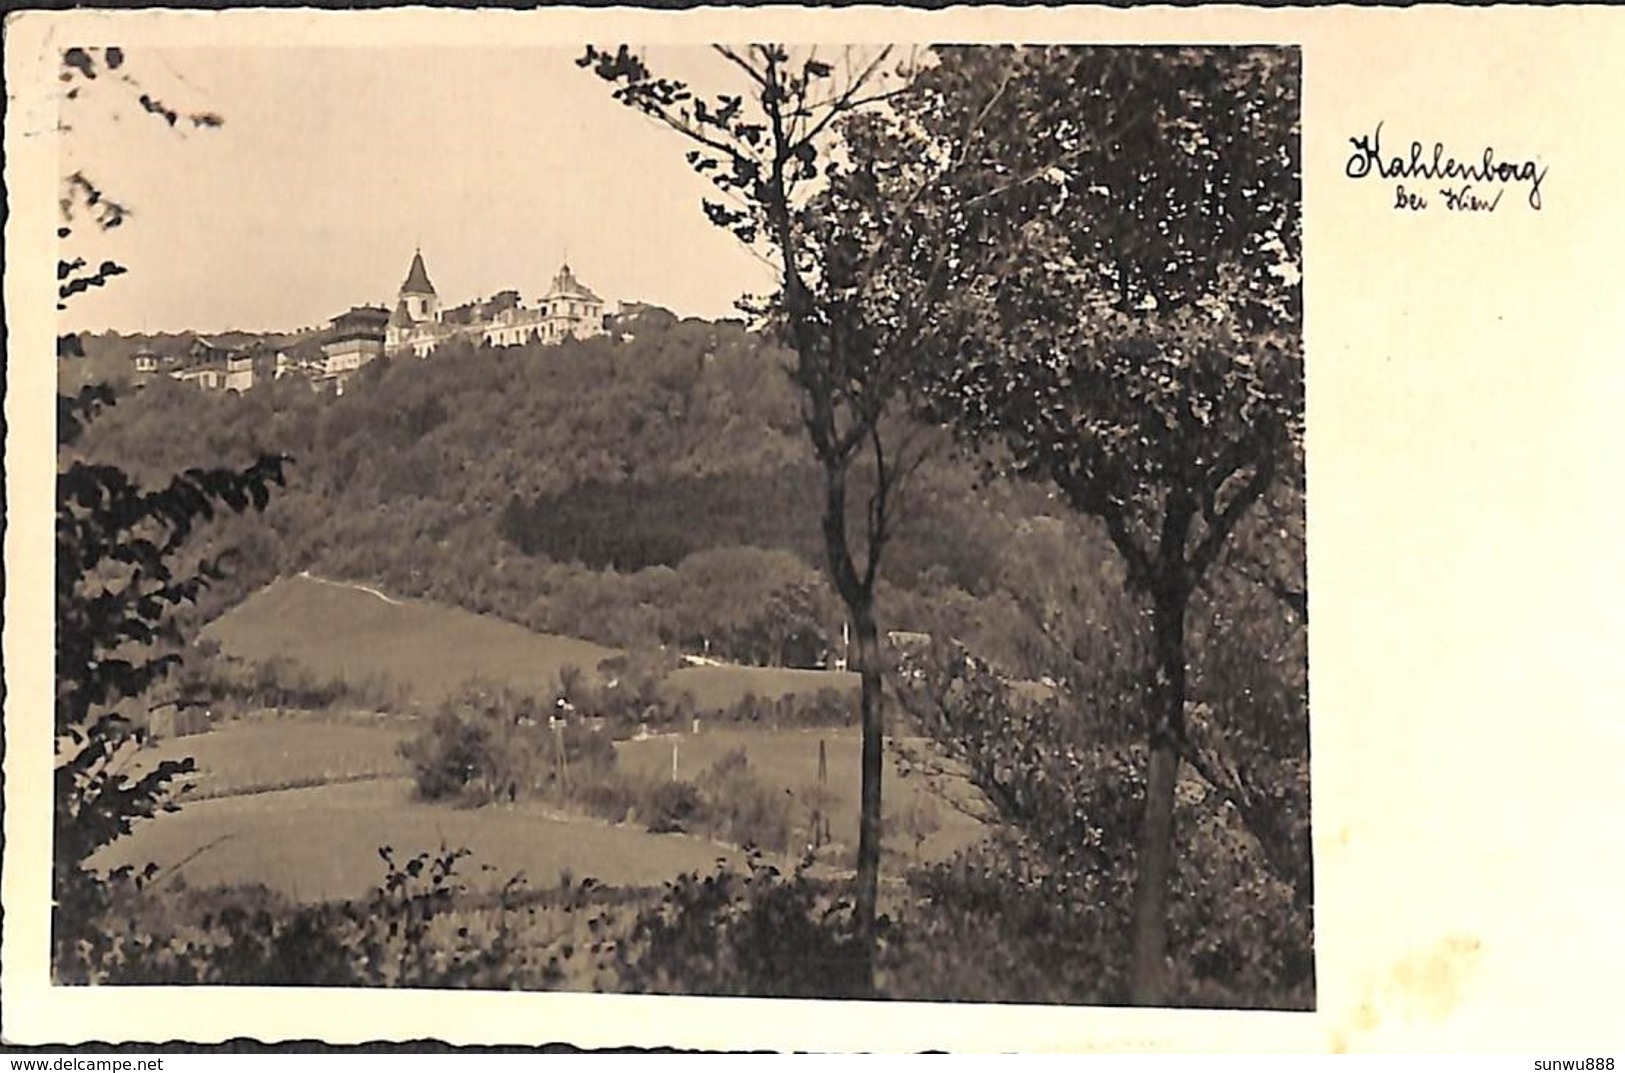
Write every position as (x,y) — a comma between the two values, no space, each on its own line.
(419,323)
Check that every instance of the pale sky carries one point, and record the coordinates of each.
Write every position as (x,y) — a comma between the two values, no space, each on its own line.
(333,164)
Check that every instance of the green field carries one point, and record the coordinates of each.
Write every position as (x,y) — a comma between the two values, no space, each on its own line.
(338,631)
(268,753)
(302,804)
(322,843)
(788,760)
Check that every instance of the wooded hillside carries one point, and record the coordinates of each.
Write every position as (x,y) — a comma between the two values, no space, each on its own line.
(654,489)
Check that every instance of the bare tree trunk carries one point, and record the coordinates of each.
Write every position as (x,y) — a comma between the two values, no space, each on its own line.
(1148,967)
(873,733)
(857,594)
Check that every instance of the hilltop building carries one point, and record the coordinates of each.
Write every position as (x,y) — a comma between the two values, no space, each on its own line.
(207,352)
(207,377)
(239,371)
(418,297)
(356,337)
(204,364)
(419,323)
(210,365)
(569,310)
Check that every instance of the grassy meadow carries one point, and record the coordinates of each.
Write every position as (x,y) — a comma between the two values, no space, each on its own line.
(338,631)
(301,802)
(249,756)
(320,843)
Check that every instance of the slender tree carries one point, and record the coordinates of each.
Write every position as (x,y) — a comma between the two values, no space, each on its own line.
(1137,344)
(820,168)
(762,150)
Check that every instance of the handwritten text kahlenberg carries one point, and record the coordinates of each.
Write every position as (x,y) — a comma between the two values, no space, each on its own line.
(1367,159)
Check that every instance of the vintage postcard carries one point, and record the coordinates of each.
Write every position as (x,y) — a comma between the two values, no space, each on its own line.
(979,530)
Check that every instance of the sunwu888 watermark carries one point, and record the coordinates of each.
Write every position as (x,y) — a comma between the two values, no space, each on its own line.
(1575,1063)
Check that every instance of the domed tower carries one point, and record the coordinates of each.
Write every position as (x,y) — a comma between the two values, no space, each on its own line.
(418,294)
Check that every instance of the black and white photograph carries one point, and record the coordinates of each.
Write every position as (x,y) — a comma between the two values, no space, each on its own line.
(714,530)
(784,521)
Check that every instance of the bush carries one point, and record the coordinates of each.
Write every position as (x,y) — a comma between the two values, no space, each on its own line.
(410,932)
(609,797)
(672,806)
(236,685)
(587,749)
(739,809)
(448,756)
(732,762)
(729,803)
(760,934)
(996,924)
(829,707)
(490,744)
(920,820)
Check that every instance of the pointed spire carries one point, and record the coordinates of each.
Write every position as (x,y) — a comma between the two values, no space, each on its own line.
(417,277)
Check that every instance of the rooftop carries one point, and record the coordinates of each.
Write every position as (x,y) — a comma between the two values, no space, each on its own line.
(417,277)
(565,283)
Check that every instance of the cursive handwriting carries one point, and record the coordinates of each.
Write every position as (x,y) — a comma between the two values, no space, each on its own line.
(1367,156)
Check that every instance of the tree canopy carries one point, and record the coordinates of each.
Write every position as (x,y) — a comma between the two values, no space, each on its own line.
(1136,340)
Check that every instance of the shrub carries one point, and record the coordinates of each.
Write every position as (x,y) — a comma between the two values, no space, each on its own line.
(238,685)
(491,744)
(759,933)
(610,797)
(672,806)
(586,748)
(920,820)
(729,763)
(995,924)
(739,809)
(448,756)
(416,929)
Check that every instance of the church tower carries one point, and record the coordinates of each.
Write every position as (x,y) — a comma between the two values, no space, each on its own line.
(417,293)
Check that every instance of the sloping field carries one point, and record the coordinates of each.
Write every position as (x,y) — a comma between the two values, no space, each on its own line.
(253,756)
(337,630)
(322,843)
(346,632)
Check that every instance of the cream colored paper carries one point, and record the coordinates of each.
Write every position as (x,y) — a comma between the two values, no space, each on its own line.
(1465,403)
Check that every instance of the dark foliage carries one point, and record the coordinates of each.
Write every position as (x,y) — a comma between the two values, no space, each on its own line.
(1068,783)
(118,579)
(629,526)
(411,931)
(760,934)
(490,744)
